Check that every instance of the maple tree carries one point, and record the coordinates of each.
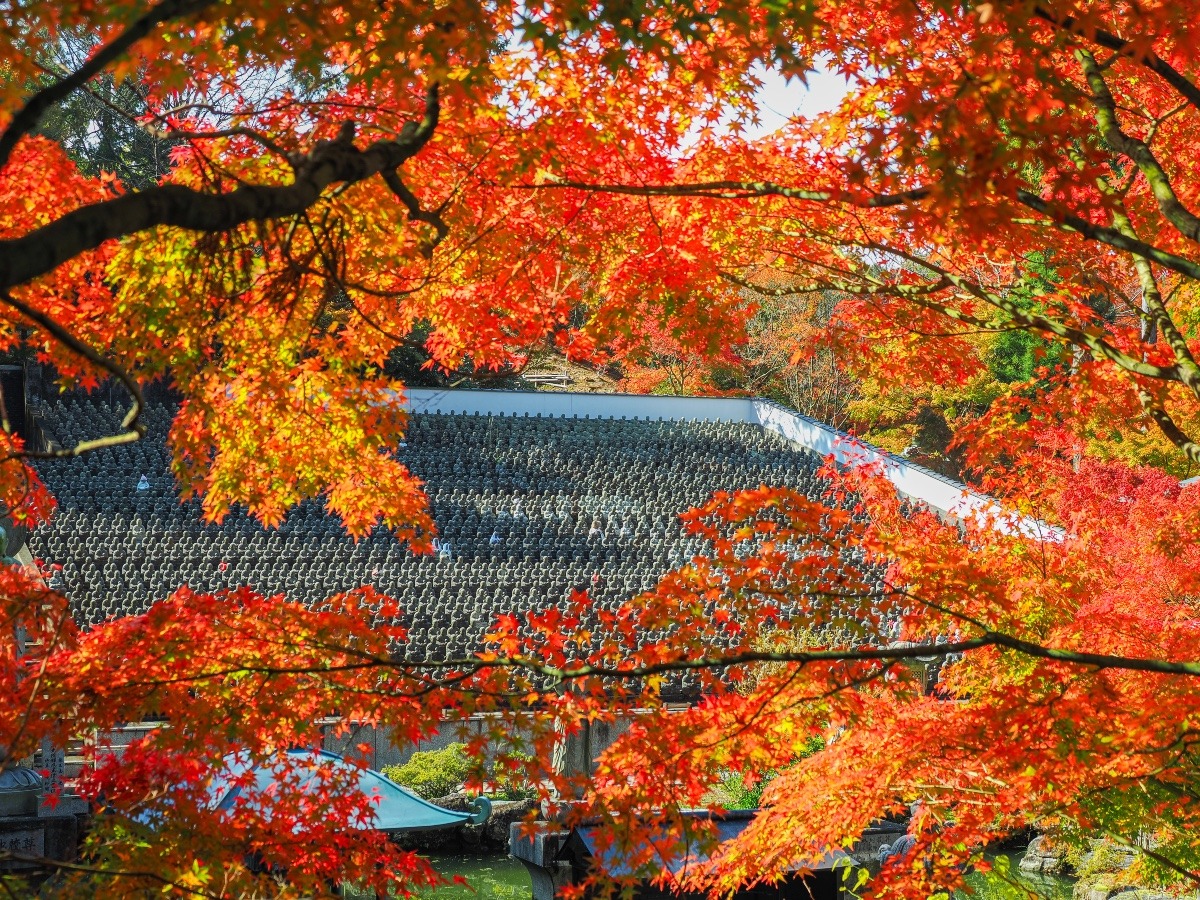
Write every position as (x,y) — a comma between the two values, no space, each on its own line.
(658,362)
(498,176)
(813,382)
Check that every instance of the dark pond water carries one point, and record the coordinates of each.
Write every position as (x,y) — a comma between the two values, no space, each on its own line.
(1007,882)
(497,877)
(503,878)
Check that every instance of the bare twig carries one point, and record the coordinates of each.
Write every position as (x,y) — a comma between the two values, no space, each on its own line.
(111,873)
(28,116)
(133,428)
(256,136)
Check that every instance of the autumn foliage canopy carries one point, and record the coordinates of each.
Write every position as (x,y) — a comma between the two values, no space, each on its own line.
(505,177)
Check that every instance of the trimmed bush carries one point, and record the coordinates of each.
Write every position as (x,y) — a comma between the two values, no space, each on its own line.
(736,791)
(432,773)
(512,782)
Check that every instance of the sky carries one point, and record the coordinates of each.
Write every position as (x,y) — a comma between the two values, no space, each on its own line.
(780,99)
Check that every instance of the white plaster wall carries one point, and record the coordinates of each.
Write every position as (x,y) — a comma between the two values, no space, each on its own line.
(561,403)
(910,480)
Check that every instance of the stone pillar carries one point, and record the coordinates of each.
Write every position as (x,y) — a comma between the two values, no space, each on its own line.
(54,765)
(538,853)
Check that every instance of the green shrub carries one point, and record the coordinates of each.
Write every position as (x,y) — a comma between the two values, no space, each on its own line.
(514,785)
(733,792)
(1104,858)
(433,773)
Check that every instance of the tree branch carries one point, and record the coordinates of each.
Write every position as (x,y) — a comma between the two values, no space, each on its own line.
(256,136)
(1157,857)
(745,190)
(1154,307)
(884,654)
(112,873)
(1025,319)
(1110,236)
(133,429)
(415,213)
(1138,151)
(1110,41)
(1176,435)
(740,190)
(1171,864)
(28,116)
(558,674)
(791,290)
(42,250)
